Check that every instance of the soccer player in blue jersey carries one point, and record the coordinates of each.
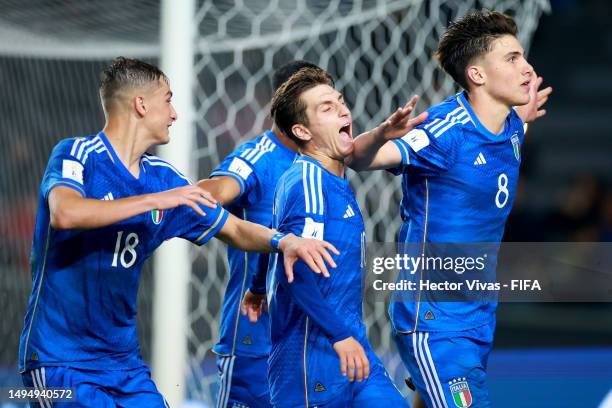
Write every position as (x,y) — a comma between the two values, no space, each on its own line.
(244,183)
(459,174)
(319,342)
(104,206)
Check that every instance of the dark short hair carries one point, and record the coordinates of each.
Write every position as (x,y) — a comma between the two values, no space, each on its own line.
(288,108)
(126,73)
(469,37)
(284,72)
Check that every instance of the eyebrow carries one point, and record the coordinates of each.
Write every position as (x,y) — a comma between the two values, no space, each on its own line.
(169,93)
(331,99)
(508,54)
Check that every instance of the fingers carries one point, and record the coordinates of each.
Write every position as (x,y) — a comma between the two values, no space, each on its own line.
(412,102)
(414,122)
(331,248)
(318,260)
(289,268)
(195,207)
(327,257)
(366,367)
(309,260)
(351,367)
(343,363)
(208,199)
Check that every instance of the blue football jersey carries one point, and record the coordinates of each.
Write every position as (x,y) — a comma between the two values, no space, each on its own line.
(309,315)
(82,310)
(256,165)
(458,182)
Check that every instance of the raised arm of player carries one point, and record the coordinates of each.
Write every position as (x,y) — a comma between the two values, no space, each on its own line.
(374,150)
(224,188)
(253,237)
(70,210)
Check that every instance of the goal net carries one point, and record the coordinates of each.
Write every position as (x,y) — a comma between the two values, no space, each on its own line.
(379,52)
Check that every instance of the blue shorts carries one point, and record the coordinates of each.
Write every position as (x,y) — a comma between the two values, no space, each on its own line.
(99,388)
(366,394)
(449,368)
(243,382)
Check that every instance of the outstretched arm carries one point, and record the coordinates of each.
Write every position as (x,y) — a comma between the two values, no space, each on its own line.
(253,237)
(373,149)
(70,210)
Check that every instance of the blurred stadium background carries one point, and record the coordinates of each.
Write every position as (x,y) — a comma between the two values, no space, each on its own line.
(51,51)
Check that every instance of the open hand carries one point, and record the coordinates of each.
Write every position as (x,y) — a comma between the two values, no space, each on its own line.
(400,123)
(353,360)
(313,252)
(537,98)
(253,304)
(190,195)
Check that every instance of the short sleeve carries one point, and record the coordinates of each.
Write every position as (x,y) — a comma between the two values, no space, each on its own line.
(185,223)
(64,169)
(248,170)
(429,154)
(304,209)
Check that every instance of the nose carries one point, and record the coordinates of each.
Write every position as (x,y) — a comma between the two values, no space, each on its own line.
(173,114)
(344,110)
(528,70)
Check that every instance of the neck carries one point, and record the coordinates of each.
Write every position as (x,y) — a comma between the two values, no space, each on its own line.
(334,166)
(284,140)
(129,145)
(490,112)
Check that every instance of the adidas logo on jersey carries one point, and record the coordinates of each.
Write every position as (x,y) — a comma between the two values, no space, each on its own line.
(480,160)
(108,197)
(349,212)
(319,387)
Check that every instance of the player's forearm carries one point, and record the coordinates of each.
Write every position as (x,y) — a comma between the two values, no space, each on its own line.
(246,235)
(365,148)
(307,294)
(75,212)
(224,189)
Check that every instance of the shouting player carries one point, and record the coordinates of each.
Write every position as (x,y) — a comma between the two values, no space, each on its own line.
(318,335)
(244,183)
(459,174)
(104,206)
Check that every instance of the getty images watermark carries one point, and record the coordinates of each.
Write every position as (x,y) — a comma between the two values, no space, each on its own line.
(490,272)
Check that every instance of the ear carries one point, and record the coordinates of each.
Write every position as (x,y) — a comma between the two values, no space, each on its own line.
(139,105)
(476,75)
(301,132)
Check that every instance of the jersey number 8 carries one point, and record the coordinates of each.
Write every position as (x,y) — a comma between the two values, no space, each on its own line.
(501,198)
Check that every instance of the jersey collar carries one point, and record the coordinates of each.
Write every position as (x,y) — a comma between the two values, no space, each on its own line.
(302,158)
(290,153)
(462,100)
(126,175)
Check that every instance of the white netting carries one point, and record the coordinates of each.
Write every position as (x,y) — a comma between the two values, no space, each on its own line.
(379,52)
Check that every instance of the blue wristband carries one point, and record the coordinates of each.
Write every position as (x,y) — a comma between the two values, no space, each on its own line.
(276,239)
